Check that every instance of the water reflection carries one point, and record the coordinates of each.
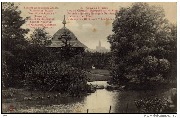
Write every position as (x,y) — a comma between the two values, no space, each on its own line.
(98,102)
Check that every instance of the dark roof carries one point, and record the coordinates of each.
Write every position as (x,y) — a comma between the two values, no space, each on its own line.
(74,42)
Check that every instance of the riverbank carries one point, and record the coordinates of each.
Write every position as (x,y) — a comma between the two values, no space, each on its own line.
(19,100)
(97,102)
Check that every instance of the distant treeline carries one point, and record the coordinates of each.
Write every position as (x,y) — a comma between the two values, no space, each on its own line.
(97,60)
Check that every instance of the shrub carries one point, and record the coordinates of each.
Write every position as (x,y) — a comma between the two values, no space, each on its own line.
(58,76)
(153,105)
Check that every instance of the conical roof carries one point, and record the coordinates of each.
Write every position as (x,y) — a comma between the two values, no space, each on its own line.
(74,42)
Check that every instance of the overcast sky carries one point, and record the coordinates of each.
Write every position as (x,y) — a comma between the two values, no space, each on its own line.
(90,32)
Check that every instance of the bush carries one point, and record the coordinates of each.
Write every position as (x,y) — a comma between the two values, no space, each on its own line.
(56,76)
(153,105)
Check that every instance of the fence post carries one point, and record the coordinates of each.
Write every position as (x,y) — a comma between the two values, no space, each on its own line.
(126,107)
(110,109)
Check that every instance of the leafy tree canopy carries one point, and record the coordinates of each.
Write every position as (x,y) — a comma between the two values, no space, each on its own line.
(143,44)
(12,32)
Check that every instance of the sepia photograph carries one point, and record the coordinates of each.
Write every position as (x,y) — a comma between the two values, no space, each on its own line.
(89,57)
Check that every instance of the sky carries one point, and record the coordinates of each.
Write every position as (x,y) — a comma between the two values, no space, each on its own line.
(89,32)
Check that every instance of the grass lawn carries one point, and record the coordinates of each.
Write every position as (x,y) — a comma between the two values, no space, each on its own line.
(98,75)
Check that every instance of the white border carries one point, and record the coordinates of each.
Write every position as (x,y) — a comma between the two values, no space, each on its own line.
(103,115)
(88,1)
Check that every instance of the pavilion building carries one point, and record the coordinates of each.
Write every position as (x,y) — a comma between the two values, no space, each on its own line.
(64,37)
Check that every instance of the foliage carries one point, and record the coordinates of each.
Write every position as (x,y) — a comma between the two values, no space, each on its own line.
(12,31)
(153,105)
(49,72)
(143,46)
(13,40)
(29,63)
(40,37)
(5,73)
(89,59)
(57,76)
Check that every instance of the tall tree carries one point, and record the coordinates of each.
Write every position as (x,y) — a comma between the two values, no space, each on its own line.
(13,42)
(142,45)
(13,35)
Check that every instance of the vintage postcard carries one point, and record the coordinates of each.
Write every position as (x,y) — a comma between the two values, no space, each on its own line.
(89,57)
